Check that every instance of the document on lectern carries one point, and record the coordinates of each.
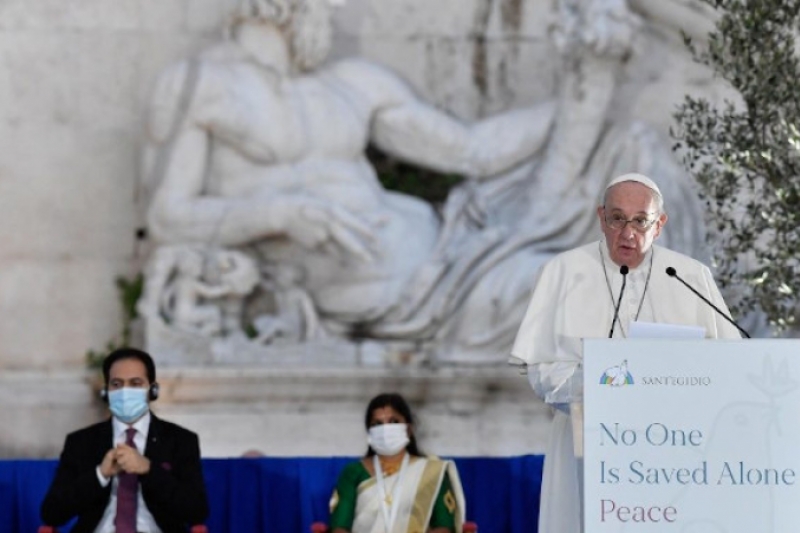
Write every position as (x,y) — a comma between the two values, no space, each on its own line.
(687,435)
(652,330)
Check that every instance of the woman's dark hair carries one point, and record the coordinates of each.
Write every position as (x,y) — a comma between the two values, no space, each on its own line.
(399,404)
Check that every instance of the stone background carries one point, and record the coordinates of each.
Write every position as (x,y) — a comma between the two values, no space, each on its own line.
(74,80)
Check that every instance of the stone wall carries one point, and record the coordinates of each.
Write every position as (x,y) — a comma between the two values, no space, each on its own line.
(73,82)
(74,79)
(301,412)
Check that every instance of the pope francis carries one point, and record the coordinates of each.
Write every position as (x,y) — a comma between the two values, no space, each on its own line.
(574,297)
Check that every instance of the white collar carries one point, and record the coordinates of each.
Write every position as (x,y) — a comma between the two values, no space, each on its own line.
(141,426)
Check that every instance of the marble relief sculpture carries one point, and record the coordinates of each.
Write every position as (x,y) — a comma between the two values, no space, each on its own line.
(256,160)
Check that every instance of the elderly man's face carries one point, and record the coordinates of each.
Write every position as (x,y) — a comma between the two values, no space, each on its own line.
(630,222)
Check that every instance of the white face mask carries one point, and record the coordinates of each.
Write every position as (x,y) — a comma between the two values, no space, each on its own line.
(128,404)
(388,439)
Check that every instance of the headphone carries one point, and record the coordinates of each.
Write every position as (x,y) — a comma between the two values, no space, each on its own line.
(152,392)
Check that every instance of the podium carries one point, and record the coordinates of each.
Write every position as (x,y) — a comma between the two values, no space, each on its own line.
(696,436)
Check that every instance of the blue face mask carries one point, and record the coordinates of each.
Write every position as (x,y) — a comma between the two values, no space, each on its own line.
(128,404)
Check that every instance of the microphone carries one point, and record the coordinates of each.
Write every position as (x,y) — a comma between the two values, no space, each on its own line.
(671,272)
(624,271)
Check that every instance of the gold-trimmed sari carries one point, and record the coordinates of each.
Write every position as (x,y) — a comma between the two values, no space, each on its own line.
(420,486)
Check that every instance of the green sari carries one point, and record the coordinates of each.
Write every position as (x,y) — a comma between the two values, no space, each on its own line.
(430,496)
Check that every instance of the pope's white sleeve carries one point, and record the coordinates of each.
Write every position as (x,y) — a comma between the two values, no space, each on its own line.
(558,384)
(552,361)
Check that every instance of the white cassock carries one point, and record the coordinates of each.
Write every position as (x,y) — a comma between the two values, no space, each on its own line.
(573,298)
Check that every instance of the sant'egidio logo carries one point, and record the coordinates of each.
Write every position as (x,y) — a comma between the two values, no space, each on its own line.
(617,376)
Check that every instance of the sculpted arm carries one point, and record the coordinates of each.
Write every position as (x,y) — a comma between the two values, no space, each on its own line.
(693,17)
(181,211)
(408,128)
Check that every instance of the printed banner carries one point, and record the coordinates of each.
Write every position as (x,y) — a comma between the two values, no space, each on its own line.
(696,436)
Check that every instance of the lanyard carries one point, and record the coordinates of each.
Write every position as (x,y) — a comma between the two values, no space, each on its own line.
(388,500)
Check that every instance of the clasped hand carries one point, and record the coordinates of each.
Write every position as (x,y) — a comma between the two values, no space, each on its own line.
(124,458)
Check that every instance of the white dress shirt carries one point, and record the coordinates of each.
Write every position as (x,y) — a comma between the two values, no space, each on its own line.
(145,523)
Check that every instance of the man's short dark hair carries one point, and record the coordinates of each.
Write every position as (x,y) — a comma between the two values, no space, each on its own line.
(130,353)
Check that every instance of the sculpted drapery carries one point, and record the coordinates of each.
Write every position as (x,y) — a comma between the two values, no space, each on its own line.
(272,228)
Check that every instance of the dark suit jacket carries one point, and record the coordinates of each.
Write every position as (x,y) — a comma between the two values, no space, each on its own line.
(173,490)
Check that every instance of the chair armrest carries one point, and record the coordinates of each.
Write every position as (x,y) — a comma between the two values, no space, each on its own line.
(194,529)
(322,527)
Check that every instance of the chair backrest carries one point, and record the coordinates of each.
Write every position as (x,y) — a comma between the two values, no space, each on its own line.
(322,527)
(200,528)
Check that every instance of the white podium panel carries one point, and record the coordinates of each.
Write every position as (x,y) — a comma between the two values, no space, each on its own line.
(692,436)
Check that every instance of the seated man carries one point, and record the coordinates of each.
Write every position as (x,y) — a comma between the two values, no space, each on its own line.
(134,472)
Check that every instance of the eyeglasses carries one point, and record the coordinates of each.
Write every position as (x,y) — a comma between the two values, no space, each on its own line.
(641,223)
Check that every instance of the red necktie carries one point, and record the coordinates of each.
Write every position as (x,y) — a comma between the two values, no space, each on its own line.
(127,486)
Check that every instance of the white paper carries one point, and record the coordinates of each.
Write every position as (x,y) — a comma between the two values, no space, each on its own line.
(651,330)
